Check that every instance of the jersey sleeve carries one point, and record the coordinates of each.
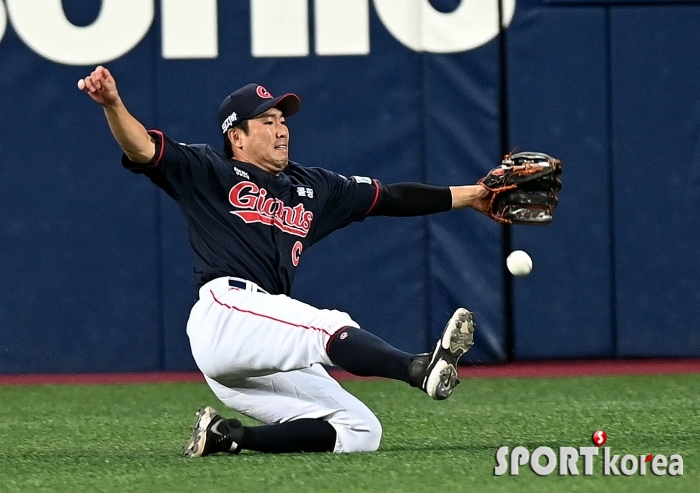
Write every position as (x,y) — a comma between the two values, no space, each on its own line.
(173,166)
(348,200)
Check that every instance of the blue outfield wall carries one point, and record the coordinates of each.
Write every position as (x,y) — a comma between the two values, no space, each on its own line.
(95,262)
(655,52)
(558,83)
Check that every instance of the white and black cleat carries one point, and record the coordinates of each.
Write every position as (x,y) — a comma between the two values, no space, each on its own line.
(440,373)
(196,445)
(211,434)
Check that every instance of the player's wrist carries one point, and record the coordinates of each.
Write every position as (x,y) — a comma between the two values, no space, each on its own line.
(468,196)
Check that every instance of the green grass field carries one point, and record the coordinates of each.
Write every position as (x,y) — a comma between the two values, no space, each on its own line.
(126,438)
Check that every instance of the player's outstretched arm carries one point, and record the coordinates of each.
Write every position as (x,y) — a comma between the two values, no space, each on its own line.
(129,133)
(418,199)
(475,196)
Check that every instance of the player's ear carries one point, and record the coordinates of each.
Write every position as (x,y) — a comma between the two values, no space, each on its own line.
(234,137)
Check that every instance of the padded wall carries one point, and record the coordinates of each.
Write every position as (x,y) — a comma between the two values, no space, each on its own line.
(557,87)
(95,261)
(655,54)
(78,235)
(117,268)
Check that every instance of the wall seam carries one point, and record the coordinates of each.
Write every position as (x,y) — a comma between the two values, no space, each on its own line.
(506,239)
(611,180)
(427,267)
(160,262)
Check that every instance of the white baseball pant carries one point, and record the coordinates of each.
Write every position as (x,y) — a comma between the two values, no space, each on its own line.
(261,355)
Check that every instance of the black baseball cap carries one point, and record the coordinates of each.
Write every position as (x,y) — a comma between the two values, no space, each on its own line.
(249,101)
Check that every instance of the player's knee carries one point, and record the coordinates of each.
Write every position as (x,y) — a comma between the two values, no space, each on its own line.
(361,436)
(374,437)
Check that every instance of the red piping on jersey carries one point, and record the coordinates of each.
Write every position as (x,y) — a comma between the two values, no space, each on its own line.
(376,197)
(162,146)
(231,307)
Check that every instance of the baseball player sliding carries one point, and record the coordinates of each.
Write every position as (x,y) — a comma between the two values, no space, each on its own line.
(251,214)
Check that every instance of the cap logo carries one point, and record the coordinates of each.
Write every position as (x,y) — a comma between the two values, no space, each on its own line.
(263,93)
(228,122)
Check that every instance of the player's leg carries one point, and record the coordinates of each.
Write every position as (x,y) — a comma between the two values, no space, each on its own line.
(303,411)
(241,333)
(362,353)
(245,334)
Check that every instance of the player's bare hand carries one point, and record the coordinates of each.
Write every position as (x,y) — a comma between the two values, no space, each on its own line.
(100,86)
(482,198)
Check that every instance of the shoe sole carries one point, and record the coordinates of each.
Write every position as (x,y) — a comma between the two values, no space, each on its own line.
(456,340)
(195,445)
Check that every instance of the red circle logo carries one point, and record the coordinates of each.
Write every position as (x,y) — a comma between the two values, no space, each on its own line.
(263,93)
(599,438)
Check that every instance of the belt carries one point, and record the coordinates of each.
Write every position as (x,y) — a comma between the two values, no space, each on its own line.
(237,282)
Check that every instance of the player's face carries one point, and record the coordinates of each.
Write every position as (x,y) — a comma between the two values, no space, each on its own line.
(267,143)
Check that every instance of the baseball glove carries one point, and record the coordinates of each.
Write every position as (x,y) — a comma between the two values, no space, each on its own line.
(524,188)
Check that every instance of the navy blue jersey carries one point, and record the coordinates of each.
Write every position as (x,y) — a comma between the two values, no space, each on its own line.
(245,222)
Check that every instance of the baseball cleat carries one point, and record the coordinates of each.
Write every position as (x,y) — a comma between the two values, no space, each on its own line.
(436,372)
(211,434)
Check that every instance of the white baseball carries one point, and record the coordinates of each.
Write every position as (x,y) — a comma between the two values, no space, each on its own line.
(519,263)
(81,84)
